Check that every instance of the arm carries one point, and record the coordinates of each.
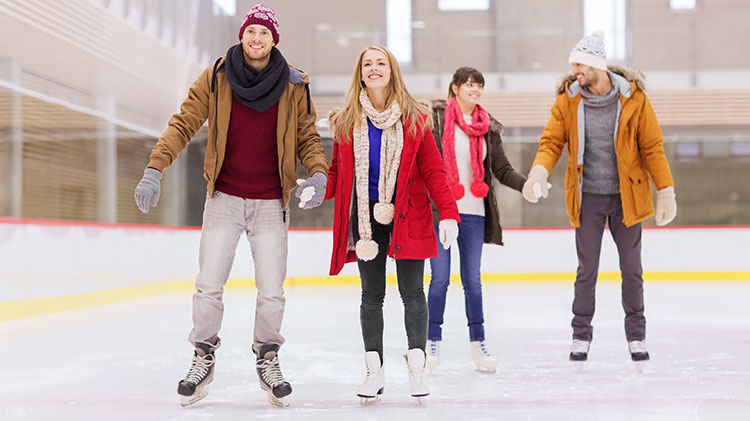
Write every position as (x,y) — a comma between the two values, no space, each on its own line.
(501,167)
(332,173)
(309,146)
(553,138)
(430,165)
(651,147)
(183,125)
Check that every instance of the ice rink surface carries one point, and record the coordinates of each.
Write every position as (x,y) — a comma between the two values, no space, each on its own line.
(123,362)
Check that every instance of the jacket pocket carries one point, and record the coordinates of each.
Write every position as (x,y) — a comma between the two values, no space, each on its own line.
(641,191)
(419,220)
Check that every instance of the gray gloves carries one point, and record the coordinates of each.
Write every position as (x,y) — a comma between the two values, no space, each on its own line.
(311,191)
(148,190)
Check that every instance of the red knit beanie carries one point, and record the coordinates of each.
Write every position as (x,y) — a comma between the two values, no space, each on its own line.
(261,15)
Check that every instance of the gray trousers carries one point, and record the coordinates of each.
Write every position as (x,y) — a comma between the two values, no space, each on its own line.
(596,211)
(265,223)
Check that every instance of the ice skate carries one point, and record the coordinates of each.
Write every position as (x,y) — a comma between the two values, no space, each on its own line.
(482,357)
(194,386)
(579,352)
(638,354)
(270,377)
(373,385)
(416,363)
(433,354)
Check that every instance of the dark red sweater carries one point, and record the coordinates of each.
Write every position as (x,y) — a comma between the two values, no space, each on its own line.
(251,164)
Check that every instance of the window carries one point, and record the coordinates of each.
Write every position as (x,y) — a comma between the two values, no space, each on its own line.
(398,29)
(682,4)
(227,7)
(609,17)
(463,4)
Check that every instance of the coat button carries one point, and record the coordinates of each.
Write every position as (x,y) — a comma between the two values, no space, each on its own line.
(398,248)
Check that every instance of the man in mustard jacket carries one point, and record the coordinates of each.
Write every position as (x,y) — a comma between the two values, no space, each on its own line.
(260,120)
(614,143)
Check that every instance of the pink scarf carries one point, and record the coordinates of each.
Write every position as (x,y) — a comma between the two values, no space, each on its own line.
(480,124)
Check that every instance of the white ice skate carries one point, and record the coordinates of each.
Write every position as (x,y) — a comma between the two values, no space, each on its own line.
(482,357)
(579,352)
(433,354)
(373,385)
(638,354)
(194,386)
(416,363)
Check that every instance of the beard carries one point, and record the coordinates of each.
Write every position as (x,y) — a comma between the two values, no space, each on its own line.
(589,80)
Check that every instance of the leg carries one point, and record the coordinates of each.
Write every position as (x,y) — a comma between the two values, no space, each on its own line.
(410,274)
(628,240)
(440,267)
(470,244)
(372,277)
(267,233)
(588,246)
(222,227)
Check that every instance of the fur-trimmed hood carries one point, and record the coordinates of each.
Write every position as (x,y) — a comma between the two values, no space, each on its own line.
(631,75)
(439,104)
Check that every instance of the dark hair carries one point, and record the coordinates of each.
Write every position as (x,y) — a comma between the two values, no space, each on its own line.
(462,75)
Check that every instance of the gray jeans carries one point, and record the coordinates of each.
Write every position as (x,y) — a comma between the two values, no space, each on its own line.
(596,211)
(265,223)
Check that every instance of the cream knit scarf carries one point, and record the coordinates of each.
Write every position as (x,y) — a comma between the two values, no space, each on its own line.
(391,145)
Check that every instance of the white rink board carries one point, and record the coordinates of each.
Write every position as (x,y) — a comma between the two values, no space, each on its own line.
(52,259)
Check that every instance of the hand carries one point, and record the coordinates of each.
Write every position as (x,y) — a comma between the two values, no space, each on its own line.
(148,190)
(666,206)
(311,191)
(536,185)
(448,232)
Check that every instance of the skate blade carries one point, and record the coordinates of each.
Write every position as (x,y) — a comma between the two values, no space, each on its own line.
(280,402)
(640,366)
(200,393)
(578,366)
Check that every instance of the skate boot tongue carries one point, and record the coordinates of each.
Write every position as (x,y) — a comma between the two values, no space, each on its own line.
(269,355)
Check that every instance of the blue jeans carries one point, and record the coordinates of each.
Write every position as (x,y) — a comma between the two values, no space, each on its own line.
(470,242)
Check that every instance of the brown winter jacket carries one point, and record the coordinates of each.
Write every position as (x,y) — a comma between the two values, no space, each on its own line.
(638,144)
(210,98)
(495,163)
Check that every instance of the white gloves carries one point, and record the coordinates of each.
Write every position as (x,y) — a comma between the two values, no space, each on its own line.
(148,189)
(536,185)
(448,232)
(311,191)
(666,206)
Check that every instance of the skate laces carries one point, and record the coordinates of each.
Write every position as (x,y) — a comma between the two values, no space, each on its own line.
(580,346)
(270,371)
(637,347)
(482,349)
(199,368)
(433,348)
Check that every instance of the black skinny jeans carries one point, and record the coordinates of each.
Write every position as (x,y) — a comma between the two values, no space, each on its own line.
(410,274)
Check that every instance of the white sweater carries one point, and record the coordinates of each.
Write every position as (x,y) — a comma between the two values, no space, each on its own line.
(469,204)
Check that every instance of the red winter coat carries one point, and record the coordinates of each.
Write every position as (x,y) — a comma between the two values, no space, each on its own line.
(421,170)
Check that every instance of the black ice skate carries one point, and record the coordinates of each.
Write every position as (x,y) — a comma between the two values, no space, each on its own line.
(270,376)
(194,386)
(638,354)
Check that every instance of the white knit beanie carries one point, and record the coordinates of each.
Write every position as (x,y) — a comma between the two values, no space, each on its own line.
(590,51)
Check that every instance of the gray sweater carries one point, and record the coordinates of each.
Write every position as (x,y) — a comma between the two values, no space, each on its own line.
(599,156)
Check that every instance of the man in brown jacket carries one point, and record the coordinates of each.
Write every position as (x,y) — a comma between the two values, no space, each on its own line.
(614,144)
(260,120)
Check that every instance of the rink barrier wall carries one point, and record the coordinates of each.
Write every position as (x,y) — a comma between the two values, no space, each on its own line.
(52,266)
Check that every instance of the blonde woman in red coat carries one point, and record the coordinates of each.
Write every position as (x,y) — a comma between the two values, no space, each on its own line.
(385,162)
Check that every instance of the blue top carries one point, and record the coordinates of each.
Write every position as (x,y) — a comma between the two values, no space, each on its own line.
(375,135)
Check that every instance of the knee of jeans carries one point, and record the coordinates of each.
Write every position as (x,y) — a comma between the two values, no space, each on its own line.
(210,293)
(472,287)
(373,299)
(411,295)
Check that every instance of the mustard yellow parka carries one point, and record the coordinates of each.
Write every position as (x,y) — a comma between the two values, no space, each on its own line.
(638,145)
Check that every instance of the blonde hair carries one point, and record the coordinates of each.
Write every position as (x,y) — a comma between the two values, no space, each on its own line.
(417,115)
